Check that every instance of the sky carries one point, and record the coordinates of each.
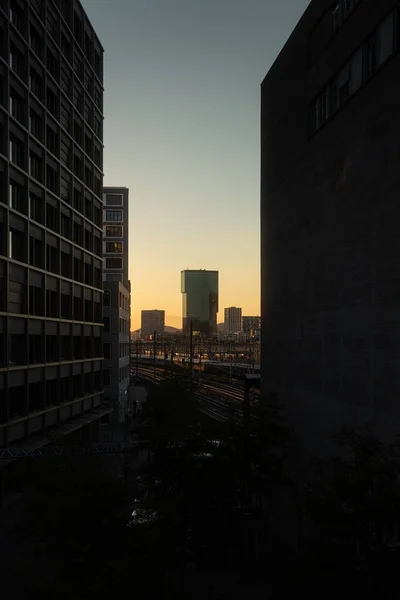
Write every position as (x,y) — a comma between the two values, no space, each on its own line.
(181,131)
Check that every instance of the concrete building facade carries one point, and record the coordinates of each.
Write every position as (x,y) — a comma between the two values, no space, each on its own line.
(116,234)
(330,246)
(117,306)
(199,301)
(51,160)
(251,326)
(152,321)
(232,319)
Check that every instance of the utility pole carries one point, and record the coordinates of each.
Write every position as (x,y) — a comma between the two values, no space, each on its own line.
(191,353)
(154,352)
(199,360)
(137,360)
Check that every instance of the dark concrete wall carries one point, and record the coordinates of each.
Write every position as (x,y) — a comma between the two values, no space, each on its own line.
(330,241)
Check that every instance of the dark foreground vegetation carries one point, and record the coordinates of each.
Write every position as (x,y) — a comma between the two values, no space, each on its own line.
(194,517)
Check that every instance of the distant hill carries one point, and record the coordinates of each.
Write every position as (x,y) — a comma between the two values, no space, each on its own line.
(167,329)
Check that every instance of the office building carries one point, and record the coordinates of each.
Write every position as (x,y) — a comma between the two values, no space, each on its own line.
(152,321)
(199,301)
(251,326)
(51,152)
(232,319)
(330,129)
(117,306)
(116,227)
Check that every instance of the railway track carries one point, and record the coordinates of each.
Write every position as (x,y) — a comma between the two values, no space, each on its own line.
(217,400)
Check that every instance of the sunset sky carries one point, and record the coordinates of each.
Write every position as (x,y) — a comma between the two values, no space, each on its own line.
(181,131)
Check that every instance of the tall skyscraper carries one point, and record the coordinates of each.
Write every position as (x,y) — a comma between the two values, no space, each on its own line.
(152,321)
(330,248)
(117,305)
(51,160)
(199,301)
(232,319)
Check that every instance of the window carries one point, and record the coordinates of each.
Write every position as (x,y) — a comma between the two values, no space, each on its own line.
(113,263)
(78,234)
(106,350)
(51,63)
(88,273)
(16,60)
(113,215)
(51,303)
(65,116)
(65,226)
(78,133)
(16,244)
(362,65)
(16,16)
(88,240)
(114,247)
(78,200)
(114,199)
(114,231)
(51,258)
(35,124)
(51,181)
(35,83)
(65,47)
(35,40)
(65,189)
(51,102)
(16,151)
(106,377)
(35,252)
(35,207)
(51,217)
(35,166)
(16,106)
(106,321)
(51,140)
(385,39)
(106,298)
(16,196)
(36,300)
(66,265)
(356,71)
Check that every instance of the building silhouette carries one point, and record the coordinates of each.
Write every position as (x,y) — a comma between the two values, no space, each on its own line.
(117,306)
(330,248)
(152,321)
(232,319)
(51,161)
(199,301)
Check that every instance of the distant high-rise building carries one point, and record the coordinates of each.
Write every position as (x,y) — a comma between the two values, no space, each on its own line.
(117,303)
(153,321)
(232,319)
(251,325)
(51,161)
(199,301)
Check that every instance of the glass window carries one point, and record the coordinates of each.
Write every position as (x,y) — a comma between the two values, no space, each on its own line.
(114,215)
(114,199)
(114,231)
(385,39)
(114,247)
(356,71)
(113,263)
